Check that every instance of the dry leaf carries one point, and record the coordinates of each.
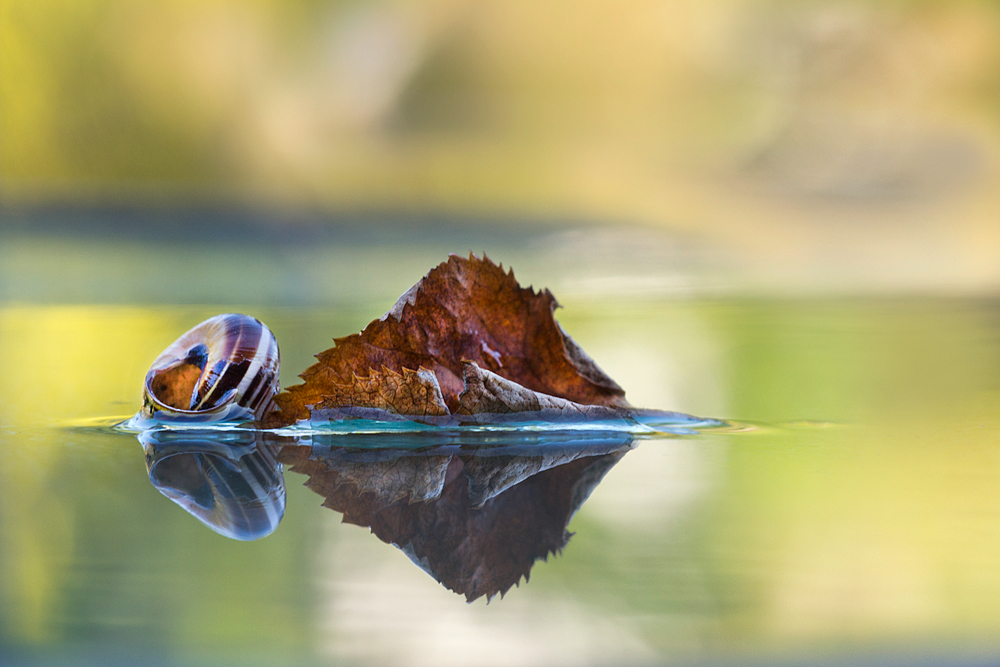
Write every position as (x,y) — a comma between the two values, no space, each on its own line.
(464,310)
(412,392)
(487,398)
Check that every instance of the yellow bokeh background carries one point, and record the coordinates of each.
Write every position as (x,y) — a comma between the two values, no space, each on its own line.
(841,144)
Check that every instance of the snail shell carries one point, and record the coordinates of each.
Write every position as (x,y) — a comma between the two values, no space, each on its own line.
(224,369)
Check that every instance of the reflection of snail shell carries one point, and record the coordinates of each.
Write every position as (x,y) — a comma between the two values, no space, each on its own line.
(224,369)
(230,481)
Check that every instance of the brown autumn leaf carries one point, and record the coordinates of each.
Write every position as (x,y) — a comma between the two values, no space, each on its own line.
(463,311)
(488,397)
(412,392)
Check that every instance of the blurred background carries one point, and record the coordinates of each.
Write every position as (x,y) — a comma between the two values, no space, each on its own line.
(781,213)
(803,146)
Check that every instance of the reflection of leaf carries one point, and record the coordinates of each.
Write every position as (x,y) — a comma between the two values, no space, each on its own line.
(474,520)
(387,480)
(464,310)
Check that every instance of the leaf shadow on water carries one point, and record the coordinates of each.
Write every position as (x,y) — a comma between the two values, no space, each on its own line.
(473,510)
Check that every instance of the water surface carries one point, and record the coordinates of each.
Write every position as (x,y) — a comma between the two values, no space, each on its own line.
(851,513)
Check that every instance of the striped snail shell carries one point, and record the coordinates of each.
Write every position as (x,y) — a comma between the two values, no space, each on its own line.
(224,369)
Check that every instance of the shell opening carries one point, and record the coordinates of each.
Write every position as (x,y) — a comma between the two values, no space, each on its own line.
(177,386)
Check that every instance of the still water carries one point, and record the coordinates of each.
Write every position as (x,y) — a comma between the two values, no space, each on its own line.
(849,512)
